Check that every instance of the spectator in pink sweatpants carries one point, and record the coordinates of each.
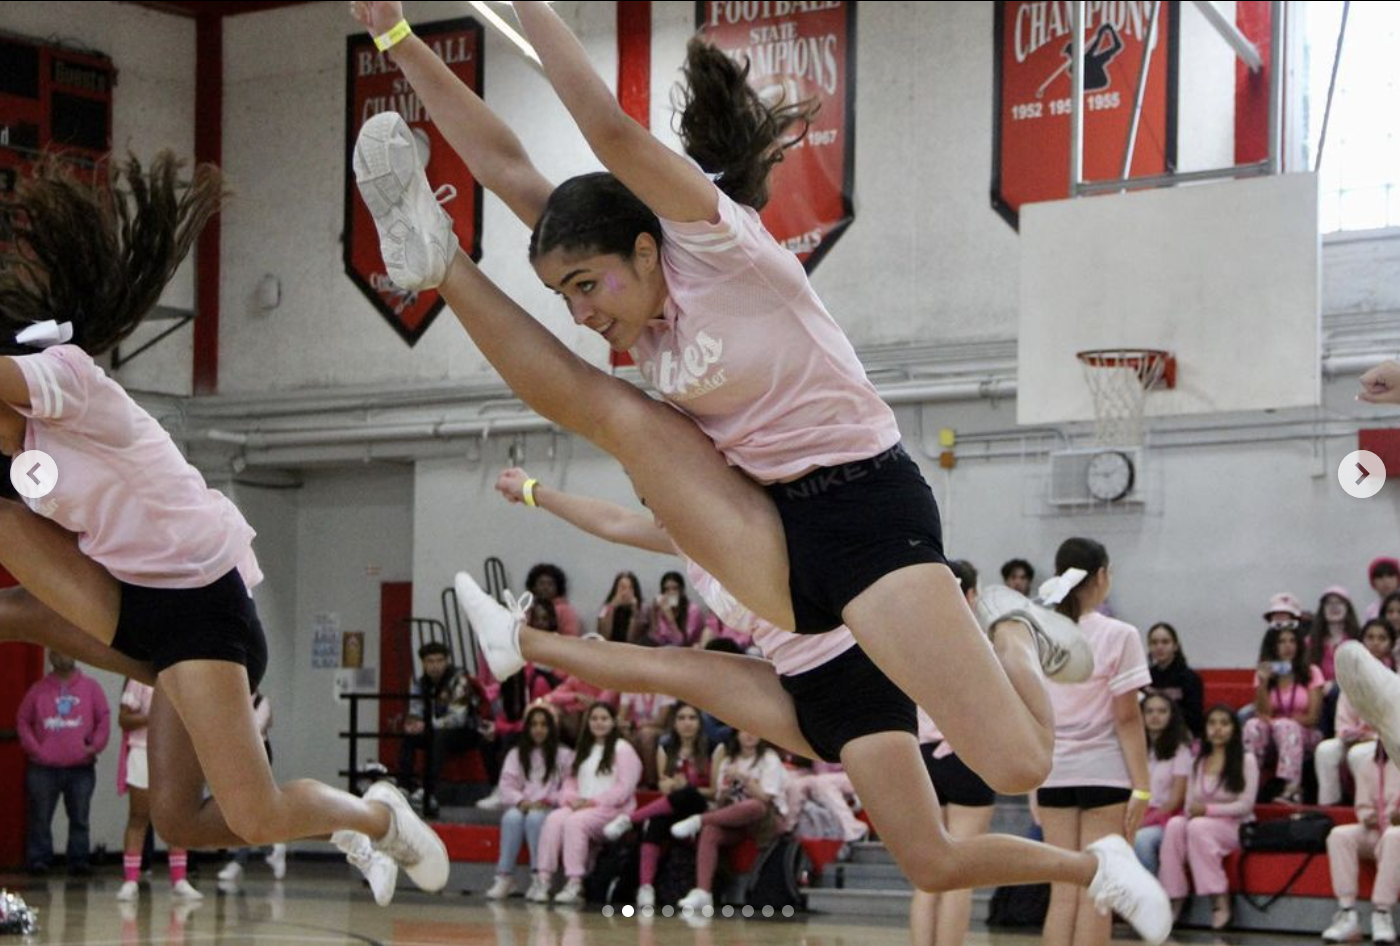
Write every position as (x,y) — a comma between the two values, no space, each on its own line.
(749,781)
(1287,707)
(601,785)
(1219,798)
(1375,837)
(827,784)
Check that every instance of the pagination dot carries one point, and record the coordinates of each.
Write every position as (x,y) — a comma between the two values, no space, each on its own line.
(627,911)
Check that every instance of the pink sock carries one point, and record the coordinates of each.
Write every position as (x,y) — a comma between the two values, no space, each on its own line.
(179,862)
(651,860)
(131,867)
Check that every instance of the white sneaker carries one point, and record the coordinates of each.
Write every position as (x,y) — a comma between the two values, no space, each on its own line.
(501,887)
(128,911)
(277,860)
(1373,689)
(410,842)
(491,802)
(415,234)
(377,867)
(1122,885)
(687,828)
(696,900)
(646,896)
(130,891)
(539,890)
(496,627)
(1382,927)
(617,827)
(185,891)
(1346,926)
(1064,653)
(571,894)
(232,872)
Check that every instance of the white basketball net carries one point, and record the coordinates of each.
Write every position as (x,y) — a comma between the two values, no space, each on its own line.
(1118,381)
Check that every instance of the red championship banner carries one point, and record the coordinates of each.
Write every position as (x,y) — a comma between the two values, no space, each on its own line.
(1031,127)
(373,85)
(800,51)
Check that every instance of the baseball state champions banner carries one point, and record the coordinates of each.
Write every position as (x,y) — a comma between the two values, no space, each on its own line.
(373,85)
(800,51)
(1030,160)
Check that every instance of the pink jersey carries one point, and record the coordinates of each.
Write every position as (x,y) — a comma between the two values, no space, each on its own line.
(1162,773)
(1087,751)
(745,347)
(789,653)
(139,509)
(136,696)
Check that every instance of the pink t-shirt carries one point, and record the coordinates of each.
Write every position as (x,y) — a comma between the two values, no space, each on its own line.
(747,349)
(1161,773)
(789,653)
(1291,702)
(1087,751)
(136,696)
(139,509)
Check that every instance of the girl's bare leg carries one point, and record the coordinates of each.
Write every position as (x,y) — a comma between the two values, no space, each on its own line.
(24,617)
(892,782)
(1062,828)
(951,670)
(742,691)
(138,820)
(722,519)
(45,560)
(211,734)
(955,906)
(1092,928)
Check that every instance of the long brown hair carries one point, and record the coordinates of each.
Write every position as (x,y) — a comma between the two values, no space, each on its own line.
(674,744)
(99,254)
(548,750)
(586,742)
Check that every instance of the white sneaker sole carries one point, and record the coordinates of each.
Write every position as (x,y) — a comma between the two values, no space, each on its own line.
(496,627)
(1374,691)
(1064,654)
(415,234)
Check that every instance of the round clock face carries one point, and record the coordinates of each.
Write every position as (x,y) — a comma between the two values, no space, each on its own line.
(1110,475)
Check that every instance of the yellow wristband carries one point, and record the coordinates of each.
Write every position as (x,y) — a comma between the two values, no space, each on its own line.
(387,41)
(1140,795)
(528,491)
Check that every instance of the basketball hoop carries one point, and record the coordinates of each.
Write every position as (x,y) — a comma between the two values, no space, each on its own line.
(1118,380)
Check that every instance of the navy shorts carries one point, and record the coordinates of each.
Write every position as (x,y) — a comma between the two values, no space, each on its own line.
(846,698)
(848,526)
(164,626)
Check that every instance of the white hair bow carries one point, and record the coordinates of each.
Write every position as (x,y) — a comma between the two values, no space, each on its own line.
(46,334)
(1054,590)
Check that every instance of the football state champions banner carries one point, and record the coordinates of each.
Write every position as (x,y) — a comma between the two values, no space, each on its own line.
(800,51)
(373,85)
(1031,127)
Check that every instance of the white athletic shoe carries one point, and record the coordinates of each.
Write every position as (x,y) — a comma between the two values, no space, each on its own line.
(129,892)
(1373,689)
(277,860)
(1345,928)
(232,872)
(496,627)
(539,890)
(1064,653)
(617,827)
(687,827)
(491,802)
(185,891)
(410,842)
(646,896)
(571,894)
(1123,886)
(696,900)
(501,887)
(378,868)
(415,234)
(1382,927)
(128,910)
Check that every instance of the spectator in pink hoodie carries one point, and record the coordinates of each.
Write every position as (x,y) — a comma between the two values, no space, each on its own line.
(63,724)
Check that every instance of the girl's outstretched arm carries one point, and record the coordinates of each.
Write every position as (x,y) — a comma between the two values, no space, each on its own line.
(597,517)
(665,181)
(490,149)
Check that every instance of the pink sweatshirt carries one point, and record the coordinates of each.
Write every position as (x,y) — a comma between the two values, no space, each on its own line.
(64,724)
(615,789)
(746,348)
(139,509)
(1377,785)
(518,786)
(1219,802)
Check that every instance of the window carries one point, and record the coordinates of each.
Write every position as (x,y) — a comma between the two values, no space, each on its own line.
(1359,180)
